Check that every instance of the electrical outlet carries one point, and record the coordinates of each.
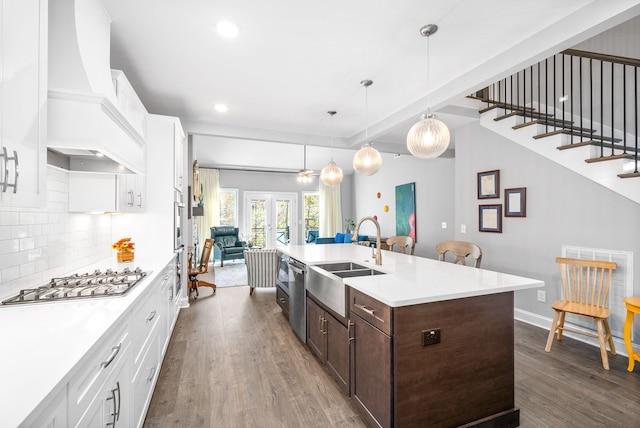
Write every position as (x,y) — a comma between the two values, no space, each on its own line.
(444,224)
(463,228)
(542,296)
(430,337)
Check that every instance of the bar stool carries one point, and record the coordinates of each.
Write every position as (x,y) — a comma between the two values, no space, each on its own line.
(633,307)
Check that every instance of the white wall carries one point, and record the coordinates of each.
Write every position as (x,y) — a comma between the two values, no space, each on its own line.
(37,244)
(434,198)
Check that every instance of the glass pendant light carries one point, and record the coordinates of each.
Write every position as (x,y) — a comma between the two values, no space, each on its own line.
(429,137)
(367,160)
(305,175)
(331,175)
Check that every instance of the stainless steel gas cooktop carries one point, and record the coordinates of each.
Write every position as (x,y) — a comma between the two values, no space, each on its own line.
(81,286)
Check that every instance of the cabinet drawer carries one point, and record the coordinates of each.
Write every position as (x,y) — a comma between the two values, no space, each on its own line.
(145,316)
(282,299)
(374,312)
(144,381)
(96,367)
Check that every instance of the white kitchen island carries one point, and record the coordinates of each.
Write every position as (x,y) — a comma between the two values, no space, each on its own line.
(427,343)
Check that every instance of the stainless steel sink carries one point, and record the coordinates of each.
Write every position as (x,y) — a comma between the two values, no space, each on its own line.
(325,283)
(339,266)
(358,272)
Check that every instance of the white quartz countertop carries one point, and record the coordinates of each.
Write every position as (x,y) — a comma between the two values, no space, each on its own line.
(42,342)
(411,280)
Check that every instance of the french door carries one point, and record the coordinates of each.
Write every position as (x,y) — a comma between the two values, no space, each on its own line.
(270,218)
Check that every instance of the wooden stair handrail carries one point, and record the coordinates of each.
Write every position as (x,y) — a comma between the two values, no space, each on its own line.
(603,57)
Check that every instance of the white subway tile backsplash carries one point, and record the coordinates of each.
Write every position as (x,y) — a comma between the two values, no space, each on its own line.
(37,244)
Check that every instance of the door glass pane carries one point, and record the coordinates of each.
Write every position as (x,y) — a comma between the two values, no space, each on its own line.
(258,221)
(311,216)
(283,221)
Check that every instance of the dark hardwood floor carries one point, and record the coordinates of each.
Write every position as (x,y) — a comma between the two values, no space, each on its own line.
(233,361)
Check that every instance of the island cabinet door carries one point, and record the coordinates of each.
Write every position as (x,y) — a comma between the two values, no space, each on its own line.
(315,329)
(337,351)
(371,381)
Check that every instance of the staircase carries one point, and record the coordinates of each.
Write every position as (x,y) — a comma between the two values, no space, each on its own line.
(579,109)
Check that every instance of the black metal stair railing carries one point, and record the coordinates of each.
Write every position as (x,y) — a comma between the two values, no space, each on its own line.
(597,105)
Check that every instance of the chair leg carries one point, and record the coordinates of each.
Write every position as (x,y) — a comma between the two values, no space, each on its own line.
(251,291)
(552,332)
(603,344)
(612,347)
(560,326)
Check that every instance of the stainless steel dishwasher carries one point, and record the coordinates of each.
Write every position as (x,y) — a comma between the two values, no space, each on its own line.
(297,302)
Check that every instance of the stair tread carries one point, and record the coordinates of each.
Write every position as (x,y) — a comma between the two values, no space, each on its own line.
(524,114)
(608,158)
(629,175)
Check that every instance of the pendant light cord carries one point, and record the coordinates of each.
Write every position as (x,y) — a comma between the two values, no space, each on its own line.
(428,77)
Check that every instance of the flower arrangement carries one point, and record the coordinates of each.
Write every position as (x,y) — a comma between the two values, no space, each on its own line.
(125,249)
(349,225)
(124,244)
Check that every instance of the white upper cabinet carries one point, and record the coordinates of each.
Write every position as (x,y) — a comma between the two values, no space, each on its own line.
(96,192)
(23,96)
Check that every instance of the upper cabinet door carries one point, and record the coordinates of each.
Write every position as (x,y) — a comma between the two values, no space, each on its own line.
(23,96)
(178,156)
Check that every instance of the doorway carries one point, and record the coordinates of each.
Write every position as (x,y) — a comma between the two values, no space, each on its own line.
(270,218)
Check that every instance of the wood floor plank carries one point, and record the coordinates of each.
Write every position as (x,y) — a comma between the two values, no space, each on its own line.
(233,361)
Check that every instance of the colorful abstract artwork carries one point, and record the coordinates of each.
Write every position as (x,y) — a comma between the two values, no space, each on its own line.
(406,210)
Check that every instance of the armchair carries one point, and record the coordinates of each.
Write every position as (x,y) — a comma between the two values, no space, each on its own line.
(226,239)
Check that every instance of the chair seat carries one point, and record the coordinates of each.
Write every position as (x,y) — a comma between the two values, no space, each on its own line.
(582,309)
(234,250)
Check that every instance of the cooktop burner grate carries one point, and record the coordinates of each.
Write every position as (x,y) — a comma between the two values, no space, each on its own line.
(81,286)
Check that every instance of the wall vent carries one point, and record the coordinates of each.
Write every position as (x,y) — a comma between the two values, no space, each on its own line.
(621,286)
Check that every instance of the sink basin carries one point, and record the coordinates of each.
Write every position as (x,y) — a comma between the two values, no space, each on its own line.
(340,266)
(357,272)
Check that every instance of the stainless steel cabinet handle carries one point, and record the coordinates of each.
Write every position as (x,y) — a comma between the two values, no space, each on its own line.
(349,325)
(366,309)
(119,401)
(140,198)
(296,269)
(114,352)
(152,373)
(152,315)
(15,181)
(5,178)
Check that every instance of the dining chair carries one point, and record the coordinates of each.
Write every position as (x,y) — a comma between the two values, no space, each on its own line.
(262,268)
(201,268)
(402,244)
(461,251)
(585,290)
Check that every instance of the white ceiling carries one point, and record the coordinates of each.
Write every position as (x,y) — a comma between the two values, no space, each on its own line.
(294,60)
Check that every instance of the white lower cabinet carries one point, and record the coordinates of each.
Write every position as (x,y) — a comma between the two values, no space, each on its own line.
(113,384)
(110,407)
(99,390)
(144,380)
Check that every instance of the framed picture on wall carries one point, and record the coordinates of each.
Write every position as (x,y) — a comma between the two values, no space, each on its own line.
(406,210)
(515,202)
(489,184)
(490,218)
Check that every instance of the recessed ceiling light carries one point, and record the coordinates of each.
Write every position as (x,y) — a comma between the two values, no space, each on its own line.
(227,29)
(221,108)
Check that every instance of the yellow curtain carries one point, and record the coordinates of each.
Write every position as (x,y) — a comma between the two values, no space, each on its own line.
(330,211)
(209,179)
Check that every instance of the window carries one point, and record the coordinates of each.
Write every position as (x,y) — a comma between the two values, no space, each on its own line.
(228,201)
(311,213)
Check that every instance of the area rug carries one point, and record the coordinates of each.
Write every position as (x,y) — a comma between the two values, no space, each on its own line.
(233,274)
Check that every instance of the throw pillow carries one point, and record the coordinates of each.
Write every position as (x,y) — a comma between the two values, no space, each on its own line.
(339,238)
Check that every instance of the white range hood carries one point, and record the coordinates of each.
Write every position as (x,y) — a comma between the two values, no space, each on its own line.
(85,114)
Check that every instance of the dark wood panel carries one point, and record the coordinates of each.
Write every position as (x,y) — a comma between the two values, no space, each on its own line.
(337,351)
(371,379)
(315,336)
(372,311)
(468,375)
